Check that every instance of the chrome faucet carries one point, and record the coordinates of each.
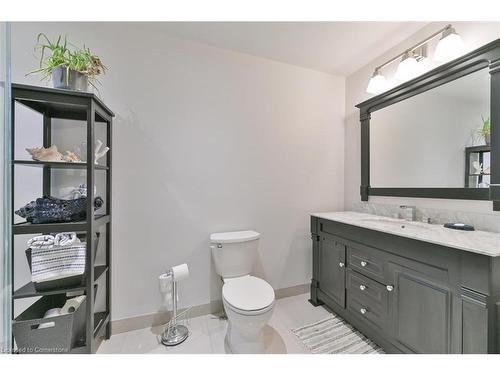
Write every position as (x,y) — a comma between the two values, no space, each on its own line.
(409,212)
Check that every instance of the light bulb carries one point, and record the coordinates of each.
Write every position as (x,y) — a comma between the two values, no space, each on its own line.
(449,46)
(377,83)
(408,68)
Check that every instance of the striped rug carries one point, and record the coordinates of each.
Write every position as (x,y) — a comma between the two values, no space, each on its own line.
(334,335)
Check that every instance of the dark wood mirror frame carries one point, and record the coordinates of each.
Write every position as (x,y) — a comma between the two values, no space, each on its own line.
(487,56)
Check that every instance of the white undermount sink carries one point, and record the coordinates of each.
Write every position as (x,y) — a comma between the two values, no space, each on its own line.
(395,223)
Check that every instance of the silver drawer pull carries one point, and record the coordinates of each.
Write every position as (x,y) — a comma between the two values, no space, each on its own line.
(362,287)
(389,288)
(341,265)
(363,263)
(363,311)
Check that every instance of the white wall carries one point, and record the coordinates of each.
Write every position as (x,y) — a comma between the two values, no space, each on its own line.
(206,140)
(474,35)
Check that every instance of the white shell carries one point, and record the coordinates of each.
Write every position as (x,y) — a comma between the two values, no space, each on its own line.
(45,154)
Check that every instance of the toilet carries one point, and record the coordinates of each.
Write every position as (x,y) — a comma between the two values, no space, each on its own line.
(248,300)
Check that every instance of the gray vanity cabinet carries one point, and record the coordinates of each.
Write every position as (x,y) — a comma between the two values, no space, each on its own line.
(475,325)
(331,275)
(421,309)
(406,295)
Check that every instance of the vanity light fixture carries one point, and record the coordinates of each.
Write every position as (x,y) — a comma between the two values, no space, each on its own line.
(377,83)
(408,67)
(449,46)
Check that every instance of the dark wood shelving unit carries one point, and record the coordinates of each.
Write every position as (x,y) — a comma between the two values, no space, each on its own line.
(70,105)
(480,151)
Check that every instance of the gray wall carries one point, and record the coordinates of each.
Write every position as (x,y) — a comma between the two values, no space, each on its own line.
(474,35)
(206,140)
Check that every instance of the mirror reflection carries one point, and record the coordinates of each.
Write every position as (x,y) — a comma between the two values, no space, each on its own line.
(437,139)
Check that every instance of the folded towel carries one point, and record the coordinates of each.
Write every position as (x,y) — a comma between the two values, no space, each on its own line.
(57,262)
(66,239)
(41,242)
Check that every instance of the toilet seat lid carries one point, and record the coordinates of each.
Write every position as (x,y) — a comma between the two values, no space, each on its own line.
(248,293)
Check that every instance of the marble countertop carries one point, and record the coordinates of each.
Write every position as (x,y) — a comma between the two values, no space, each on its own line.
(480,242)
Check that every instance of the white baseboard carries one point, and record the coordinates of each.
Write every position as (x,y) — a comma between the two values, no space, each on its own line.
(159,318)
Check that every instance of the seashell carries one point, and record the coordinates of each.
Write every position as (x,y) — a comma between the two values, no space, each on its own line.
(45,154)
(71,157)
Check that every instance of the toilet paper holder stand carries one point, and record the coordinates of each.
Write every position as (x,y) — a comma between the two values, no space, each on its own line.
(174,333)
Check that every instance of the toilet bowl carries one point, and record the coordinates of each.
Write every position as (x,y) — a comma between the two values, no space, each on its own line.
(249,304)
(248,300)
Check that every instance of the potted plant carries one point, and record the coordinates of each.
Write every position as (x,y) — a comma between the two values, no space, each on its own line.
(485,130)
(72,69)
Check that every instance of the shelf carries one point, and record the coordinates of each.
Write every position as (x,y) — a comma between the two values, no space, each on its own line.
(89,112)
(57,164)
(482,148)
(59,103)
(101,319)
(77,226)
(29,290)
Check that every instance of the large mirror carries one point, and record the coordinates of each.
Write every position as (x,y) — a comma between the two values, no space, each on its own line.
(436,139)
(431,137)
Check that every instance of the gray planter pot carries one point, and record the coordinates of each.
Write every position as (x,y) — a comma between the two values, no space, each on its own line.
(64,78)
(487,139)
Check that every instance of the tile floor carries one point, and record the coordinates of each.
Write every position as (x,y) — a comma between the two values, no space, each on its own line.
(207,333)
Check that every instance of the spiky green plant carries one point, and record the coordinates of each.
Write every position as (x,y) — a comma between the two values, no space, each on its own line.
(79,59)
(59,55)
(485,129)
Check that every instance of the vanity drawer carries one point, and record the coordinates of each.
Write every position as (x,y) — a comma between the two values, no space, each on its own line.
(366,288)
(365,309)
(369,262)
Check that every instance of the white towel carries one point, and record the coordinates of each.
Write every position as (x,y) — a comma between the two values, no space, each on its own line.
(66,239)
(57,262)
(41,242)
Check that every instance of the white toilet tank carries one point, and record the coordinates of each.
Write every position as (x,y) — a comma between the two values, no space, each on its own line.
(234,253)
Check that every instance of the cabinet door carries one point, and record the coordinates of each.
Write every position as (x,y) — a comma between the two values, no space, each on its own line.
(332,269)
(421,311)
(474,325)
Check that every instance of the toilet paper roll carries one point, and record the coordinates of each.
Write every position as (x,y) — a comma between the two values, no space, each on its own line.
(165,282)
(72,304)
(50,314)
(180,272)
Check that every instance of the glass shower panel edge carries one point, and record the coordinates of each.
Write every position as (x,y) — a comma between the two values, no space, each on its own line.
(5,190)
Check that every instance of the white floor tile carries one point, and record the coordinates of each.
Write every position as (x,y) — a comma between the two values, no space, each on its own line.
(114,345)
(217,328)
(208,333)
